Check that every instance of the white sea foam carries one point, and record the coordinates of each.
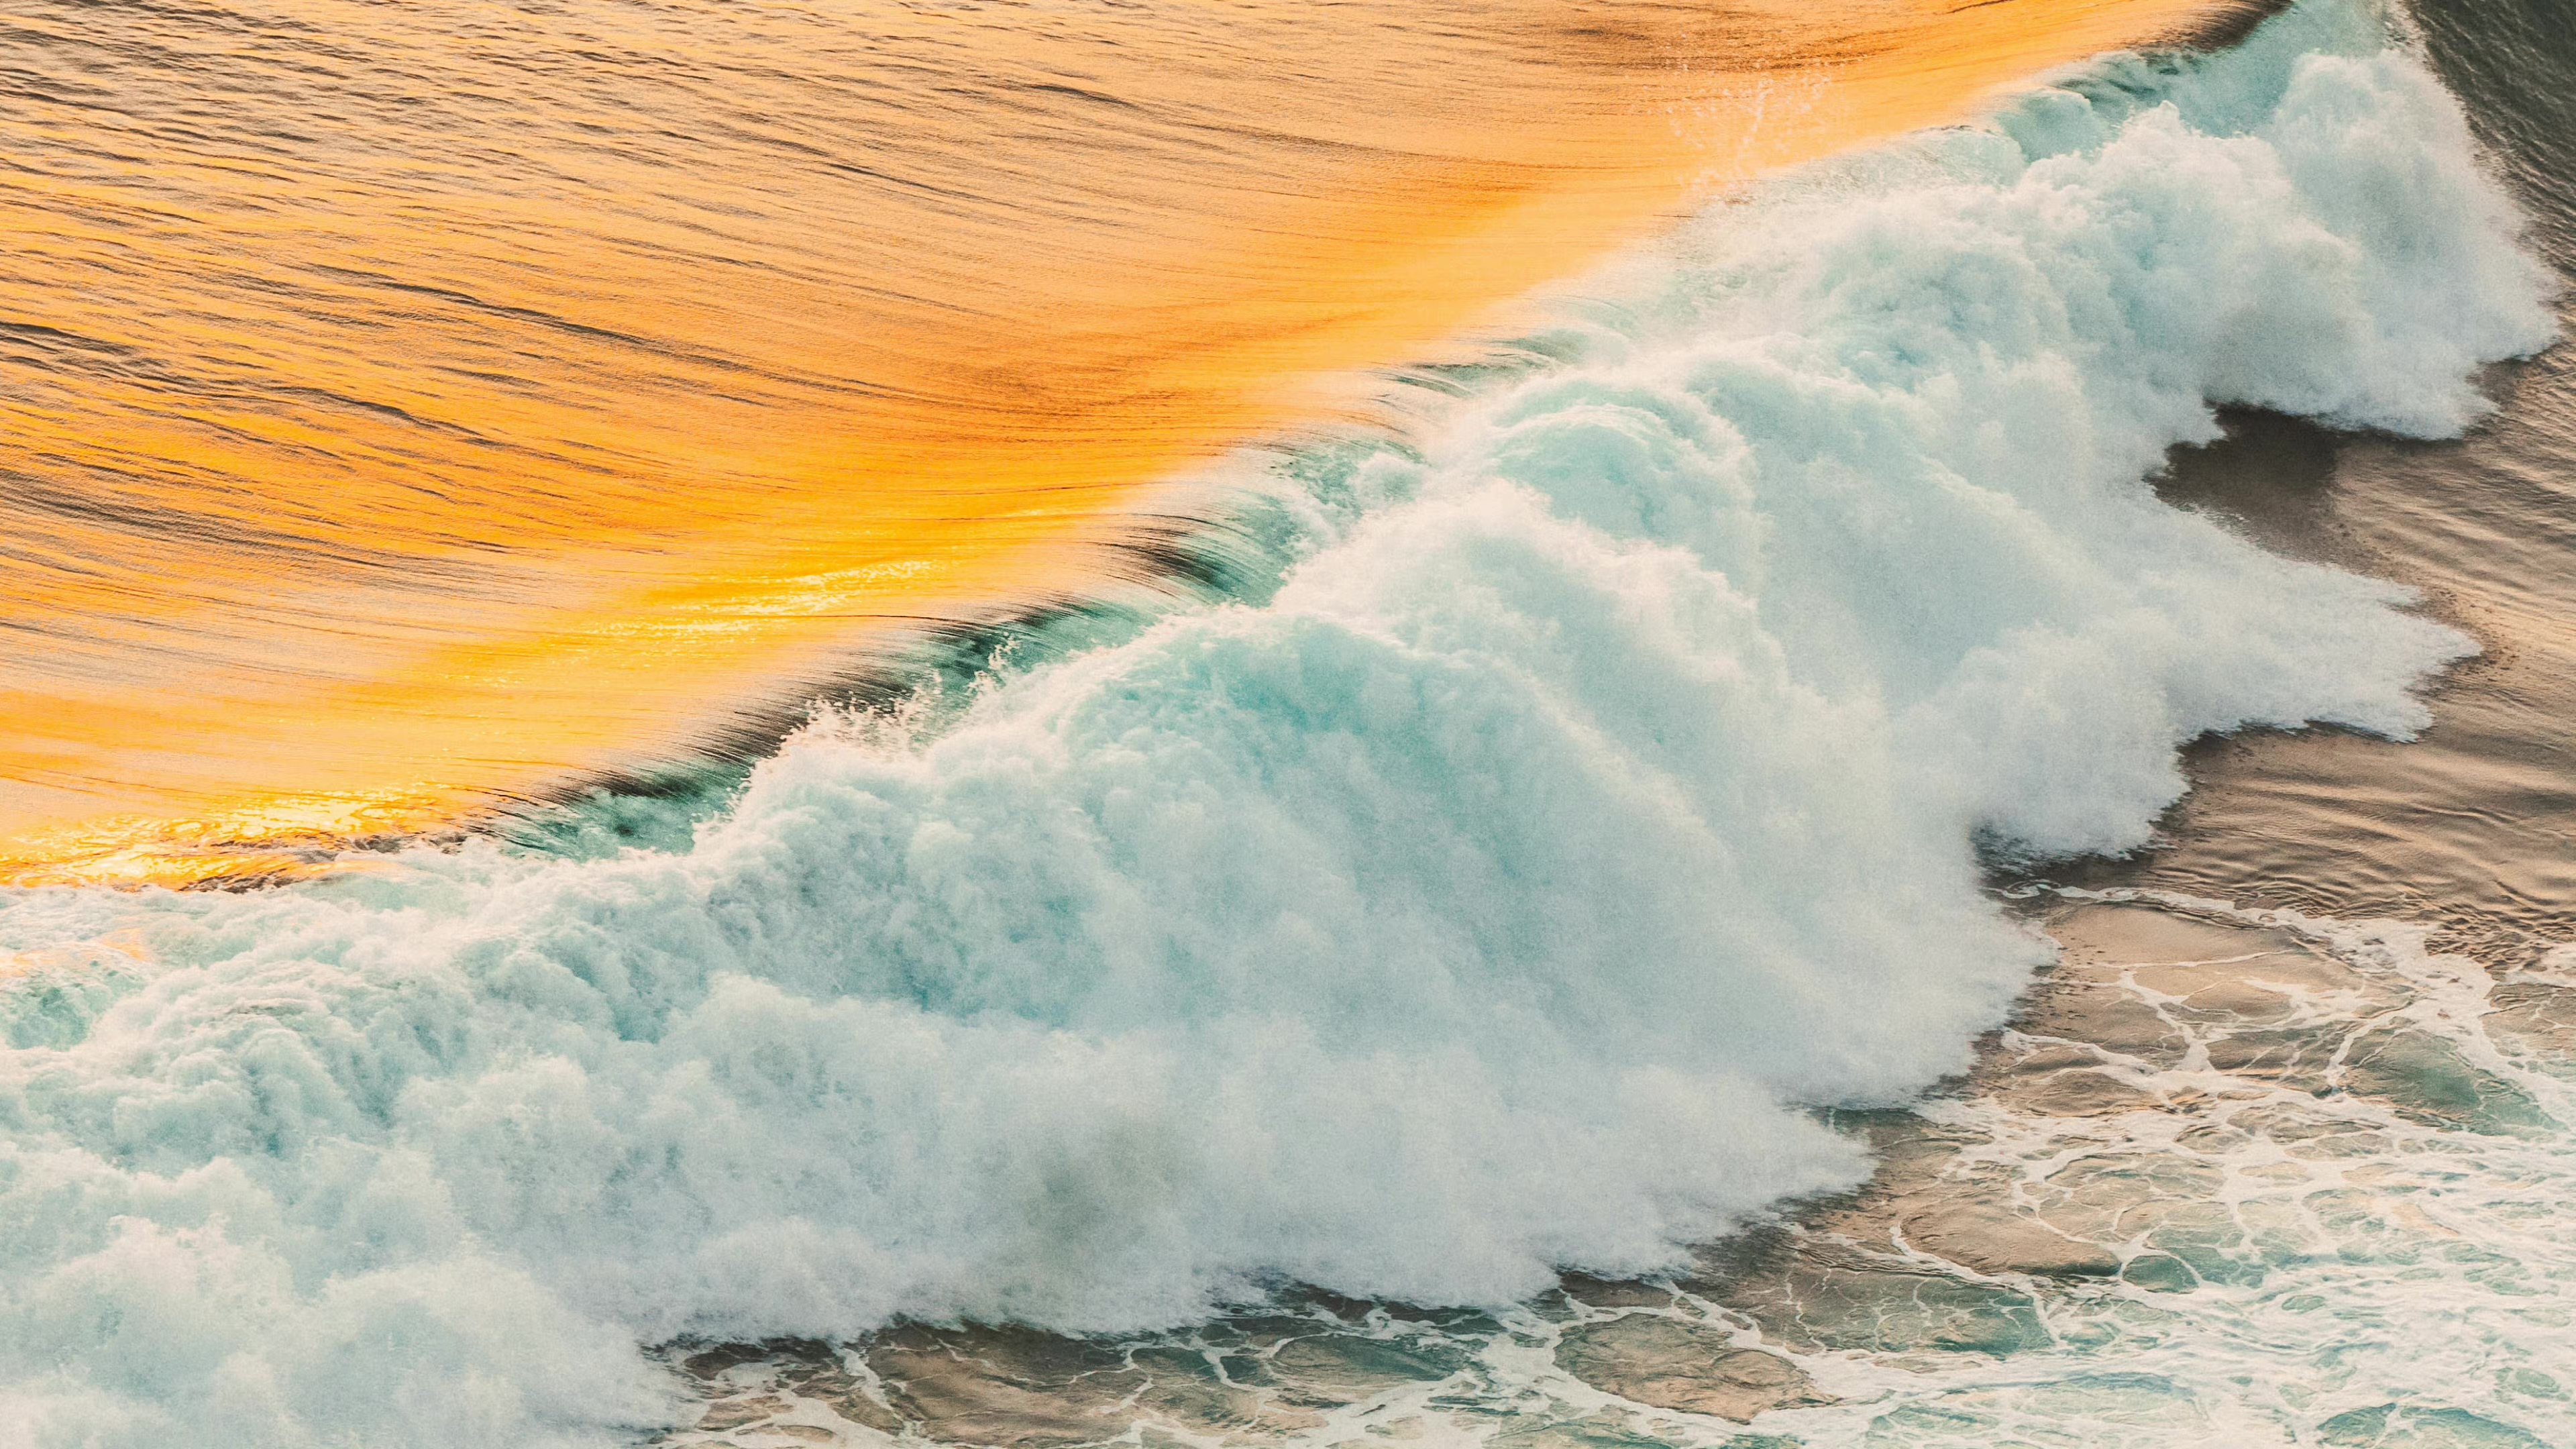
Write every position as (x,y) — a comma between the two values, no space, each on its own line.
(1483,902)
(2375,1238)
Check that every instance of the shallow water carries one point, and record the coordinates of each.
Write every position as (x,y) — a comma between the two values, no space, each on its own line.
(2230,1177)
(1586,825)
(2470,826)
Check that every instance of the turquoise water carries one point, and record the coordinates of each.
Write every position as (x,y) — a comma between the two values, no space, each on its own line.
(2312,1192)
(1601,786)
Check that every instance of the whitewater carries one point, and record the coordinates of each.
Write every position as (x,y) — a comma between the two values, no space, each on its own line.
(1605,782)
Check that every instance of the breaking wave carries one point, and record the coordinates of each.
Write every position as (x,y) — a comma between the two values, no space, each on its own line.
(1603,786)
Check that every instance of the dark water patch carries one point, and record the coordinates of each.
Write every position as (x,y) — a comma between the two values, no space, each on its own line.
(2473,825)
(2270,477)
(2509,60)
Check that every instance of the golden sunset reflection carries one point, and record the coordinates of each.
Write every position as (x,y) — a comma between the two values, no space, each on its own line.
(405,408)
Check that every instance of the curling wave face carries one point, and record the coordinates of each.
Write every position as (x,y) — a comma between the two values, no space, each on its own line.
(1602,785)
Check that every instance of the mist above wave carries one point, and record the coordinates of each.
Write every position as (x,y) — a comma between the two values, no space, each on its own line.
(1600,789)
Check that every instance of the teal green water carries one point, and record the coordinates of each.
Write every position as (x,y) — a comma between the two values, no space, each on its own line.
(1552,843)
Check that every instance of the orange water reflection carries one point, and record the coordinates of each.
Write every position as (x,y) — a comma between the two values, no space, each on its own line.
(408,407)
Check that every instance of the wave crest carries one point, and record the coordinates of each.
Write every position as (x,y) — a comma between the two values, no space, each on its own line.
(1490,900)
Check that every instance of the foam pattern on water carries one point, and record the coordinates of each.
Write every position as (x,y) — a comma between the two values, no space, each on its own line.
(2364,1251)
(2369,1252)
(1600,787)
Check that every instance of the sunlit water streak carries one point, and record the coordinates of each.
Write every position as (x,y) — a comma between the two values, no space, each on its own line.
(1495,885)
(408,408)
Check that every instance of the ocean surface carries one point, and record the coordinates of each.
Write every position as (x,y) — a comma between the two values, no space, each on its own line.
(1629,754)
(468,405)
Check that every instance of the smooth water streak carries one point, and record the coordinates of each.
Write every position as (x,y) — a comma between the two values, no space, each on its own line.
(414,408)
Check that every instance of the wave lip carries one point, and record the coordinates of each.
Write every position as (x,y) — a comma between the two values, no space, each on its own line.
(1491,900)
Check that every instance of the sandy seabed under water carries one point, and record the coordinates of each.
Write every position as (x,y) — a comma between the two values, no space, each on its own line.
(1594,791)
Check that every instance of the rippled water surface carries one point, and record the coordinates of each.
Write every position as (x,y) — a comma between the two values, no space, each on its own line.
(414,406)
(1922,803)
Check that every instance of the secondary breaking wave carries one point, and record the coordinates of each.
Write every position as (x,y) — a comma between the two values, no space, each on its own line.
(1603,786)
